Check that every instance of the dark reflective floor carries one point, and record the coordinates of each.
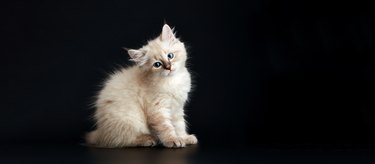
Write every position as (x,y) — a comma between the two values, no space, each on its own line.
(193,154)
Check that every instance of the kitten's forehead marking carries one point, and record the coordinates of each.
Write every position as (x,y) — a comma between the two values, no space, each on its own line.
(162,52)
(160,49)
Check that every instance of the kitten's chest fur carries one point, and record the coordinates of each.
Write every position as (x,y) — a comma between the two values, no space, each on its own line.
(173,90)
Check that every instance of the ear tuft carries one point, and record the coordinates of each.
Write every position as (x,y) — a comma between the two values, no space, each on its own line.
(137,56)
(167,33)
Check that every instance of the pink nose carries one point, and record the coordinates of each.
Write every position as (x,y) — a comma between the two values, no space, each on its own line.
(167,66)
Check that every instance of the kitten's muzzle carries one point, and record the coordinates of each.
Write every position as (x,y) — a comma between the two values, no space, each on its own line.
(167,65)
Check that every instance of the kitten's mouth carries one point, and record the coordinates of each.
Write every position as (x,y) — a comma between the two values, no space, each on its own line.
(171,72)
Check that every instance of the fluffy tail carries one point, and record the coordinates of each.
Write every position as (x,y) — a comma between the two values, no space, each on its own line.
(91,138)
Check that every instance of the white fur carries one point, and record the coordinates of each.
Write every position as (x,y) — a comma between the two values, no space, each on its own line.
(133,94)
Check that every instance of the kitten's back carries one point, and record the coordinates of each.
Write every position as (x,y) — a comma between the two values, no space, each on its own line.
(119,108)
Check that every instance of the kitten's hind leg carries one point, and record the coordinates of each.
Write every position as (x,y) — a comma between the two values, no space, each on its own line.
(145,140)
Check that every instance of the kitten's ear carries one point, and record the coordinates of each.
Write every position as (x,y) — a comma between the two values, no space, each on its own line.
(167,33)
(137,56)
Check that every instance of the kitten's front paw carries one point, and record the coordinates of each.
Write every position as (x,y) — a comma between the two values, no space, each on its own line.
(190,139)
(174,142)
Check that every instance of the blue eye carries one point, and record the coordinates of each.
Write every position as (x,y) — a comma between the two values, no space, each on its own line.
(170,56)
(157,64)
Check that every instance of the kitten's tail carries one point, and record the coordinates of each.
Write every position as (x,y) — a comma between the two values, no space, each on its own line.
(91,138)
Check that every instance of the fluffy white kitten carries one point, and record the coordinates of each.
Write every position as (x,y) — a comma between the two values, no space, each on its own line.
(143,104)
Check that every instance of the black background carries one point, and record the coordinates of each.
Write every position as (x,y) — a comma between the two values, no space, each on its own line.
(266,72)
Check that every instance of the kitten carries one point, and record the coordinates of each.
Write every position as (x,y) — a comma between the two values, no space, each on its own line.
(143,104)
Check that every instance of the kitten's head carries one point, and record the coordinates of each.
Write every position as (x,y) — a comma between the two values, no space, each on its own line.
(162,56)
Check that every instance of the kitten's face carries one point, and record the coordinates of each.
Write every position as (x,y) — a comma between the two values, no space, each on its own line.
(163,56)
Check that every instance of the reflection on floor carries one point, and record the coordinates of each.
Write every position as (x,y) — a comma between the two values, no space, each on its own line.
(143,155)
